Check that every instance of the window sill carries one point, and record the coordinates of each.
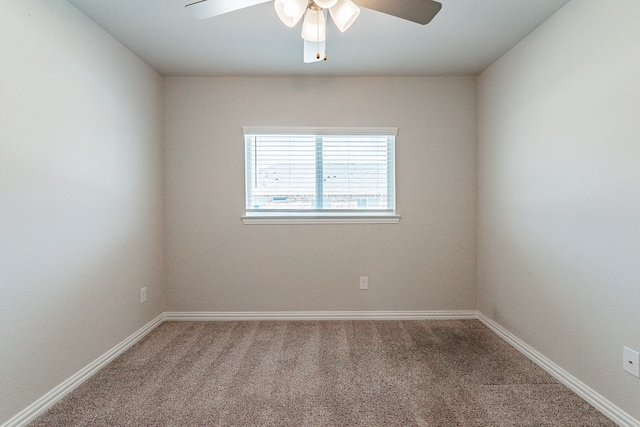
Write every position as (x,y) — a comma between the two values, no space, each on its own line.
(299,220)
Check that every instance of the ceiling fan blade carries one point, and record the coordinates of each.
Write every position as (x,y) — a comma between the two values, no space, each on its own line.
(420,11)
(209,8)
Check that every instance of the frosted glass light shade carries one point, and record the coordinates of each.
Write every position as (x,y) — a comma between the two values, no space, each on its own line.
(325,4)
(290,11)
(314,27)
(344,13)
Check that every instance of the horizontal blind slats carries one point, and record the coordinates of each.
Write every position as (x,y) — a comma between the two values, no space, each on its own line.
(353,172)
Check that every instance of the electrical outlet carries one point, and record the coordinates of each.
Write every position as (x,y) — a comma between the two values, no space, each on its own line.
(364,283)
(631,361)
(143,294)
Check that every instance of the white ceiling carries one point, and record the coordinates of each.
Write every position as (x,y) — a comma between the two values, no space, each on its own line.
(463,39)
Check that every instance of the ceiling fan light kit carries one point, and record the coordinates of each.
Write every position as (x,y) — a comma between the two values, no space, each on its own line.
(290,11)
(344,13)
(314,27)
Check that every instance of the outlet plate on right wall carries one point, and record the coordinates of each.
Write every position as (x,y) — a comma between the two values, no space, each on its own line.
(631,361)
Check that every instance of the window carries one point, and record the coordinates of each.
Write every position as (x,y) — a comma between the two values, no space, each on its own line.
(311,175)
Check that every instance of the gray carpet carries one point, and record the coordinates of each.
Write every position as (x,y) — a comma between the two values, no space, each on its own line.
(322,373)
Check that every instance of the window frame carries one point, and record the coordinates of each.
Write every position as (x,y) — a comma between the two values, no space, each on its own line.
(316,216)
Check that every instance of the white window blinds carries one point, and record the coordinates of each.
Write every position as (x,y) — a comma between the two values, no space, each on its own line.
(320,171)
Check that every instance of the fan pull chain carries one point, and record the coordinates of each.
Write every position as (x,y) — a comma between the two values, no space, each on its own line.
(324,12)
(326,16)
(318,35)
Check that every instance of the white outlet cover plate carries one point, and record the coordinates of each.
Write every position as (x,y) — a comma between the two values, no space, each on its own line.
(631,361)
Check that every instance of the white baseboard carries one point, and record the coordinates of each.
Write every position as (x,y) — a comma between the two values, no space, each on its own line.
(603,405)
(38,407)
(321,315)
(610,410)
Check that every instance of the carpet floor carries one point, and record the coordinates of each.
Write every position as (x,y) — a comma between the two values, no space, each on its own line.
(322,373)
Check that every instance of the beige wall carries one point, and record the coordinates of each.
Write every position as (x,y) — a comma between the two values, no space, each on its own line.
(215,263)
(80,196)
(81,182)
(559,193)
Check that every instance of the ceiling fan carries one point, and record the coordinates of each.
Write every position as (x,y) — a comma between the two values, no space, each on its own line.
(315,13)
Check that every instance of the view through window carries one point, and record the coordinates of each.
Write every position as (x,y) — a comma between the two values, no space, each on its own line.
(324,172)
